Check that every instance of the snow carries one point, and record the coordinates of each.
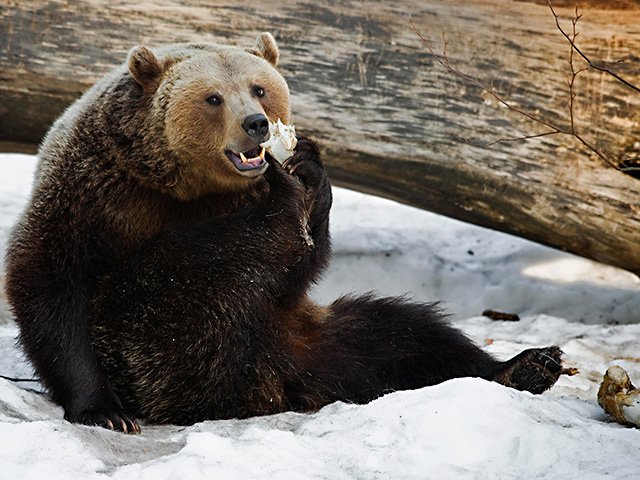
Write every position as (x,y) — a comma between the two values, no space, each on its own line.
(464,428)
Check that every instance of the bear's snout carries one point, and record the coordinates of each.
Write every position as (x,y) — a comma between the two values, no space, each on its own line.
(256,126)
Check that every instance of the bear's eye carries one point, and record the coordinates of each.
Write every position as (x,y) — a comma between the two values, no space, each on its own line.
(258,91)
(214,100)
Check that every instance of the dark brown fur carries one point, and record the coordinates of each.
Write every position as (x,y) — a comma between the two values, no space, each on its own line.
(150,278)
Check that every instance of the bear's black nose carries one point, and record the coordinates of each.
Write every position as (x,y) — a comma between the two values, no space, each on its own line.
(256,126)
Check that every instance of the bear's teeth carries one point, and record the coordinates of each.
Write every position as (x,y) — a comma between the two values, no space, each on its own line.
(262,153)
(243,158)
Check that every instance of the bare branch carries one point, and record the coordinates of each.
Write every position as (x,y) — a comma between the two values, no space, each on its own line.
(521,138)
(444,61)
(14,379)
(503,139)
(593,65)
(554,129)
(574,72)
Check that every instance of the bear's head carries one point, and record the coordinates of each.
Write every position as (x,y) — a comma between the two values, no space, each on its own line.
(206,111)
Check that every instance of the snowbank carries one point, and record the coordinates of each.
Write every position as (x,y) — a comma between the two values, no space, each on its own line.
(465,428)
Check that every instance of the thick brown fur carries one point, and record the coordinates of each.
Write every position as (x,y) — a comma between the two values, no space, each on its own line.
(149,277)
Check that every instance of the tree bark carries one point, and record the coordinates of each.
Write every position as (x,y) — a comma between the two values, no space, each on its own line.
(388,116)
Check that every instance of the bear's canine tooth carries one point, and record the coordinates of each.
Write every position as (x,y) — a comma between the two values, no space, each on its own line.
(243,158)
(261,156)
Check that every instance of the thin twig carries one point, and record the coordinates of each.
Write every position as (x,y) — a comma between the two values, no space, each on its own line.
(444,61)
(519,139)
(14,379)
(502,139)
(572,93)
(593,65)
(574,73)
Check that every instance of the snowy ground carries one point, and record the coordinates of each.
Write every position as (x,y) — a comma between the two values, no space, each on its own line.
(466,428)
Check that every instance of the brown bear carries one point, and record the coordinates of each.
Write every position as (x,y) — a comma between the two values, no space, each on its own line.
(157,274)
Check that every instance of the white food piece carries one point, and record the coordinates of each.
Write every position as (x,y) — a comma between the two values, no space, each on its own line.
(631,408)
(282,141)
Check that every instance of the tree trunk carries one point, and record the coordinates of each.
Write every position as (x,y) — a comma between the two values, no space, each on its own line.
(388,116)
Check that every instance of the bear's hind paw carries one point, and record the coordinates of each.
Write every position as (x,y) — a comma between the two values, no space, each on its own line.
(534,370)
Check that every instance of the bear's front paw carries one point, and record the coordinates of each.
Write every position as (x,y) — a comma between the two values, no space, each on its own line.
(534,370)
(100,407)
(307,166)
(282,184)
(110,419)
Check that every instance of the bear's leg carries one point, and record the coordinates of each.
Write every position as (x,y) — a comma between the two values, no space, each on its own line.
(51,303)
(306,165)
(368,346)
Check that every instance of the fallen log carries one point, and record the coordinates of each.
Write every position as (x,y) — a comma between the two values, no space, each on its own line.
(389,117)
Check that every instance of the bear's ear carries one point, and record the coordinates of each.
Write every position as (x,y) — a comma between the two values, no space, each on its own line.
(144,67)
(266,48)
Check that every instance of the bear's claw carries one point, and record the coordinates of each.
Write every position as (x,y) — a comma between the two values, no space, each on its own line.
(119,422)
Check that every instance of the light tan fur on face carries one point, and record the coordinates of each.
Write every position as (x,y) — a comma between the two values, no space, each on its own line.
(198,133)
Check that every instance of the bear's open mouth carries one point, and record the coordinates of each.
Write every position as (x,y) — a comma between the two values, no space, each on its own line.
(252,159)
